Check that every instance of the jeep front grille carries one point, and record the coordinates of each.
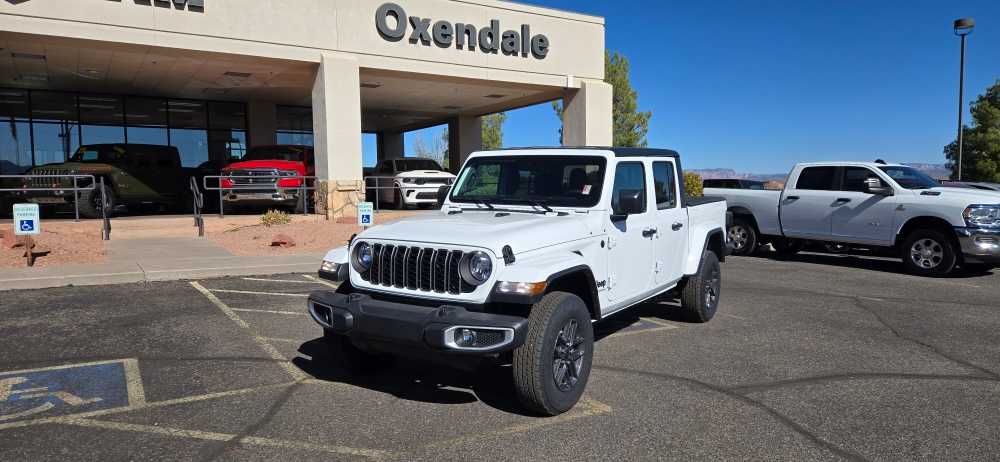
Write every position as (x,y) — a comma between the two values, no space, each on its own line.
(417,268)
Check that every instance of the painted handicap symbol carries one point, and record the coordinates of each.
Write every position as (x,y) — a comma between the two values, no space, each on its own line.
(72,389)
(27,225)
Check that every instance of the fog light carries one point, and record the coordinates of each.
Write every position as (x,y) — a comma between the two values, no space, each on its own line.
(465,337)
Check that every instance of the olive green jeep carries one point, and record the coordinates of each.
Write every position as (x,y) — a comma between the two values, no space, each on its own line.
(135,175)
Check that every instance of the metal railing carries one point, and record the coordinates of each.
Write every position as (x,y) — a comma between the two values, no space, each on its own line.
(29,180)
(198,202)
(235,187)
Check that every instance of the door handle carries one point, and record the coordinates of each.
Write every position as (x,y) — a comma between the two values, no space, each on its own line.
(649,232)
(677,226)
(842,200)
(792,198)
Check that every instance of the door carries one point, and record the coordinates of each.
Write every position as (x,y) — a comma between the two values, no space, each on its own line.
(861,217)
(806,207)
(671,224)
(630,244)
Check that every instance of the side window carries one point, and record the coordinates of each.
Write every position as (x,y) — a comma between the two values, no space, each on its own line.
(664,184)
(629,176)
(854,179)
(817,178)
(386,167)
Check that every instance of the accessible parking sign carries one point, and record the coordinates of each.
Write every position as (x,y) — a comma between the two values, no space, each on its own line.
(27,219)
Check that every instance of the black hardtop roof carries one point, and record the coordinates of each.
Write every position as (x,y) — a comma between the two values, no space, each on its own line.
(128,145)
(619,151)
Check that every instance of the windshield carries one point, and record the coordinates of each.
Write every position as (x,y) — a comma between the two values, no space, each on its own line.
(406,165)
(289,153)
(99,153)
(910,178)
(561,181)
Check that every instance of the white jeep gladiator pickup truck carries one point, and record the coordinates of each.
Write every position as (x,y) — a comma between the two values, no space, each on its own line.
(530,247)
(886,206)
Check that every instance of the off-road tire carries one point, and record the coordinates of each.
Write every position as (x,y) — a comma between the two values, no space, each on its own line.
(744,232)
(535,360)
(701,292)
(940,245)
(90,201)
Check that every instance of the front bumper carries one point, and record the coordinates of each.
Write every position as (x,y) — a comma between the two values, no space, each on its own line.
(262,197)
(421,329)
(979,245)
(420,194)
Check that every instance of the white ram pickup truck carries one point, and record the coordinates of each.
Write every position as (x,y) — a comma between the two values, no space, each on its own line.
(531,247)
(892,207)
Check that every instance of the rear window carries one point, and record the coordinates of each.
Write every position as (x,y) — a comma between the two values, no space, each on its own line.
(817,178)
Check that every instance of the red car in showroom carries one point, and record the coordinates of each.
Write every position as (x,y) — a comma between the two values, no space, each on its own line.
(269,176)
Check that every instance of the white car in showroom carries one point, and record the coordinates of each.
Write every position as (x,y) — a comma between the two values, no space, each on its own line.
(406,182)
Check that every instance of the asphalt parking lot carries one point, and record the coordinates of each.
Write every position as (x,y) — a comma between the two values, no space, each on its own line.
(815,358)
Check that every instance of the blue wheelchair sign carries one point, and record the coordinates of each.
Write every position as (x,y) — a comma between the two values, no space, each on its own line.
(366,212)
(72,389)
(27,226)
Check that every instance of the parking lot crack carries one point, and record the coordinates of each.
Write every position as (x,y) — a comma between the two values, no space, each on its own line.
(859,303)
(213,452)
(730,393)
(758,387)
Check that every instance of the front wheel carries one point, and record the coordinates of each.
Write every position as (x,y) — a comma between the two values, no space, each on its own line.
(742,237)
(397,200)
(551,368)
(928,252)
(701,292)
(91,201)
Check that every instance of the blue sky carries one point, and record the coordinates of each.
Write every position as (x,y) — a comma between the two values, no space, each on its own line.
(759,85)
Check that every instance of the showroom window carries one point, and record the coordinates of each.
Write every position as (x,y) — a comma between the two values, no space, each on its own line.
(15,133)
(44,127)
(294,125)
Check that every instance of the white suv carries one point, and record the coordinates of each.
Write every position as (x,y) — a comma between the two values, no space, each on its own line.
(406,182)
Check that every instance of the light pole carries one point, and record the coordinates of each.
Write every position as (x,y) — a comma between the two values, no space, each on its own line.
(963,27)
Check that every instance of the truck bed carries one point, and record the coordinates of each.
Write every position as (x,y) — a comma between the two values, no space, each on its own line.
(763,204)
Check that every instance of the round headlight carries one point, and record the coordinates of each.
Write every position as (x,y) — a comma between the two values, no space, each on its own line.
(476,268)
(362,257)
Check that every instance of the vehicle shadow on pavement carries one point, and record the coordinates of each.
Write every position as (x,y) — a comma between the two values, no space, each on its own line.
(866,262)
(431,382)
(418,380)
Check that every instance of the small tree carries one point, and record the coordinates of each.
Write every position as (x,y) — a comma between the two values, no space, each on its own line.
(493,130)
(693,184)
(981,141)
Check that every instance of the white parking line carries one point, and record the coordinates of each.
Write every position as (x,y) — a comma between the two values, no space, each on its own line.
(278,280)
(319,281)
(250,292)
(273,352)
(246,310)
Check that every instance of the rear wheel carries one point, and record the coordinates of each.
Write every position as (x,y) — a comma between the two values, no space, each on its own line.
(701,292)
(551,368)
(928,252)
(742,237)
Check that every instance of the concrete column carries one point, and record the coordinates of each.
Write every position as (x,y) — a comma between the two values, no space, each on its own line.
(263,119)
(587,115)
(336,107)
(465,136)
(390,145)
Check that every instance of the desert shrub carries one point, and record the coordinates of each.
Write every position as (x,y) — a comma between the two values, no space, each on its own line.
(275,217)
(693,184)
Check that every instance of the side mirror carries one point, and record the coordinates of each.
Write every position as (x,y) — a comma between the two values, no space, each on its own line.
(442,194)
(874,186)
(630,202)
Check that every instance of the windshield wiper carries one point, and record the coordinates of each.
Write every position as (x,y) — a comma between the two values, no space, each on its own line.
(534,203)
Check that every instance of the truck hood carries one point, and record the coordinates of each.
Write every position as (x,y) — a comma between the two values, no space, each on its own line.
(523,231)
(972,196)
(266,164)
(424,174)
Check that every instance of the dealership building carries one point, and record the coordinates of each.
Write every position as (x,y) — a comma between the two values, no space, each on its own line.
(214,77)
